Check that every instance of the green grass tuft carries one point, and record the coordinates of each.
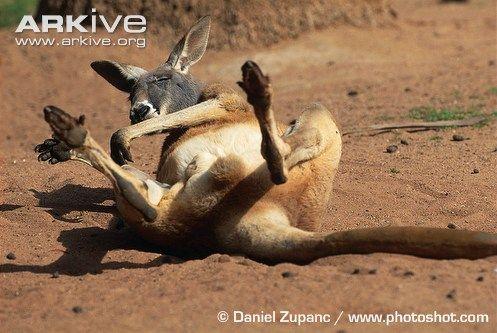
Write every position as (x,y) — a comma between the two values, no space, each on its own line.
(493,90)
(11,11)
(429,113)
(437,138)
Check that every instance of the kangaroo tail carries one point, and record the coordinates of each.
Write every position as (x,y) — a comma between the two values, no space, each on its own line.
(282,243)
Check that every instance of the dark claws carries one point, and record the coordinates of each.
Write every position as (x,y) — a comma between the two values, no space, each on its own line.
(119,149)
(53,151)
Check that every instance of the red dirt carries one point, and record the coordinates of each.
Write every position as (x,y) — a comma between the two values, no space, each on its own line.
(239,23)
(56,218)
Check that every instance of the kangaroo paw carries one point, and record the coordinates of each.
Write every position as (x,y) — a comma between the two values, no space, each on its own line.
(53,151)
(65,127)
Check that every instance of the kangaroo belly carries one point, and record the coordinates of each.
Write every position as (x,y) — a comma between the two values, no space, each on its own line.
(242,139)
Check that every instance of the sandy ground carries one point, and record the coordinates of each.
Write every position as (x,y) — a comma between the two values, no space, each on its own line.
(59,220)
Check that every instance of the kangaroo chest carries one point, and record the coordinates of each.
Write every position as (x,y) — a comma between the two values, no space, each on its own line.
(241,139)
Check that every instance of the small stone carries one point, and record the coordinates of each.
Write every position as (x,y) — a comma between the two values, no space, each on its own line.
(393,12)
(77,309)
(372,271)
(475,171)
(392,149)
(11,256)
(246,262)
(433,277)
(407,89)
(457,137)
(55,275)
(330,63)
(394,171)
(479,279)
(356,271)
(404,142)
(491,62)
(352,93)
(408,273)
(451,294)
(288,274)
(224,258)
(451,226)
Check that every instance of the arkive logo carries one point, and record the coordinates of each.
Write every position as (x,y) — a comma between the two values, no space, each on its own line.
(69,23)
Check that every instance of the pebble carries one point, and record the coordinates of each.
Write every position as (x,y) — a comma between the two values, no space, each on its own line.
(479,279)
(352,93)
(11,256)
(372,271)
(457,137)
(224,258)
(356,271)
(288,274)
(451,226)
(404,142)
(475,171)
(408,273)
(451,294)
(77,309)
(246,262)
(392,149)
(55,275)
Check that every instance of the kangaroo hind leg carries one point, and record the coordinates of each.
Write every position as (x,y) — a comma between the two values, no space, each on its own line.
(73,142)
(259,94)
(306,139)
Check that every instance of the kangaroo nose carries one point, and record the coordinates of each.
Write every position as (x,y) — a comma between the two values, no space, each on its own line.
(142,110)
(139,112)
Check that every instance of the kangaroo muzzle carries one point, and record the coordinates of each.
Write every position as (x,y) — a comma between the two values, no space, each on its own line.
(142,111)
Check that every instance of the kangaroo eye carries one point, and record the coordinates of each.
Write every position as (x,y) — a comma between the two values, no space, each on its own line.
(162,79)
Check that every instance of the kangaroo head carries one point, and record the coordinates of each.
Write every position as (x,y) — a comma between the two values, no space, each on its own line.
(169,87)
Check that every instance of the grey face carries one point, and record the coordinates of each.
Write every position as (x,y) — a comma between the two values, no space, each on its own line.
(168,88)
(162,90)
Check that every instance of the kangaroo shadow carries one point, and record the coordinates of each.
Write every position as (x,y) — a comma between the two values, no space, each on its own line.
(9,207)
(85,250)
(86,247)
(70,198)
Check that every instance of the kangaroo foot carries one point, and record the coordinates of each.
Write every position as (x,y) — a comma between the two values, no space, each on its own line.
(256,85)
(65,127)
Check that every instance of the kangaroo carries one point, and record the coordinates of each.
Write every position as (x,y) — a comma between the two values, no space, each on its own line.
(234,180)
(164,90)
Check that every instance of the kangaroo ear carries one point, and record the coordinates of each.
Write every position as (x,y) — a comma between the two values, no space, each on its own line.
(191,47)
(121,76)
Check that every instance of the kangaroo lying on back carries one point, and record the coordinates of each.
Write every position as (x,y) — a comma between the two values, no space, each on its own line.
(228,179)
